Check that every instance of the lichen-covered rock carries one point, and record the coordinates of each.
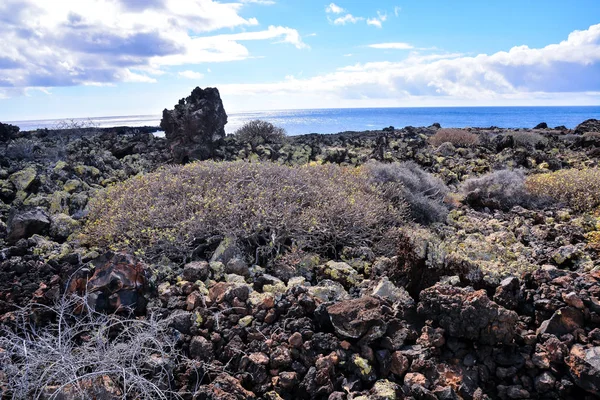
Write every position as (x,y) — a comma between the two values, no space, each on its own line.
(62,226)
(340,272)
(469,314)
(24,179)
(194,125)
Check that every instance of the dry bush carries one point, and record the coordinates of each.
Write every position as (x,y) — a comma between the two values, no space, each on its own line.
(579,189)
(259,132)
(499,190)
(423,192)
(458,137)
(318,208)
(75,354)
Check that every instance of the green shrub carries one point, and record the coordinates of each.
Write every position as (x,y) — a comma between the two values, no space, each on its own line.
(259,132)
(458,137)
(266,206)
(579,189)
(423,192)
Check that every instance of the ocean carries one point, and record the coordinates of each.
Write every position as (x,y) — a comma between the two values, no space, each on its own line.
(297,122)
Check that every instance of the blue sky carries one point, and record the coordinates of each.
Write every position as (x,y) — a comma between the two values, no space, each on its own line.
(91,58)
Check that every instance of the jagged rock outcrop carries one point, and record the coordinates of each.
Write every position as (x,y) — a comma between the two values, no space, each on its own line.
(469,314)
(7,131)
(194,125)
(590,125)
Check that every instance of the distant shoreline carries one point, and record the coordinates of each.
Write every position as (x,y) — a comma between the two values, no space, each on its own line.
(327,121)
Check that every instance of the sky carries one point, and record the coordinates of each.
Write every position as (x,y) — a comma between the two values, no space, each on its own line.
(93,58)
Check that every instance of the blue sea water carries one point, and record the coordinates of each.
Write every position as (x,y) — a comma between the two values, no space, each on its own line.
(298,122)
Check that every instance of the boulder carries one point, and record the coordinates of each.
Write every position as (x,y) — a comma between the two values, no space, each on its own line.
(62,226)
(469,314)
(508,293)
(194,125)
(227,251)
(584,367)
(224,387)
(24,224)
(563,321)
(196,271)
(358,319)
(119,284)
(24,179)
(341,272)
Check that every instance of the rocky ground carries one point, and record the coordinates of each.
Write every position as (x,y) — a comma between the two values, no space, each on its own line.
(486,304)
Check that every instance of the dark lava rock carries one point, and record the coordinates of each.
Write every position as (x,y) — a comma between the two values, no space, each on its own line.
(584,366)
(23,224)
(563,321)
(541,125)
(466,313)
(358,319)
(7,131)
(196,271)
(224,387)
(194,125)
(508,293)
(590,125)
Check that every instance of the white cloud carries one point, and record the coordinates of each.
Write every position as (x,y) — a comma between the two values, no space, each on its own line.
(191,75)
(375,22)
(98,42)
(397,10)
(392,46)
(348,18)
(335,9)
(262,2)
(567,70)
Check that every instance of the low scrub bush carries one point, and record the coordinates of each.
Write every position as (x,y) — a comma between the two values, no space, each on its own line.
(318,208)
(85,355)
(579,189)
(259,132)
(423,192)
(458,137)
(499,190)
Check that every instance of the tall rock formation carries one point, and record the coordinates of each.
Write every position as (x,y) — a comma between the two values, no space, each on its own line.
(194,125)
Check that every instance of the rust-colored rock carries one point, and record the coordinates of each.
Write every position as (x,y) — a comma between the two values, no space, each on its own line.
(118,284)
(358,319)
(584,366)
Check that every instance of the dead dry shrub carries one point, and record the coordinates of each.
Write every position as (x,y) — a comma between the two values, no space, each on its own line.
(423,192)
(265,206)
(458,137)
(85,354)
(502,190)
(579,189)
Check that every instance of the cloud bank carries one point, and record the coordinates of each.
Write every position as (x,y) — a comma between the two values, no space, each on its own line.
(556,71)
(96,42)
